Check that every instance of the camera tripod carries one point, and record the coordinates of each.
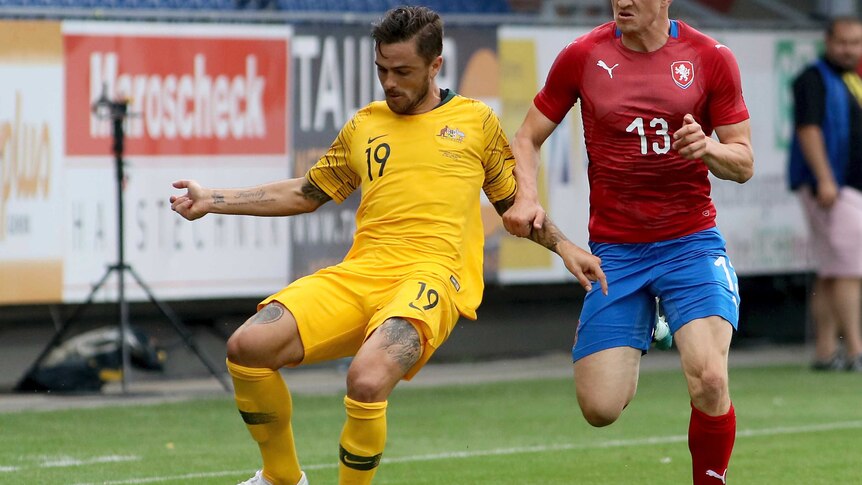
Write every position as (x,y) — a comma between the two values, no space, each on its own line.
(116,112)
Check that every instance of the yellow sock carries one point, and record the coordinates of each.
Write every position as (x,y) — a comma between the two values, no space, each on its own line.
(362,441)
(264,403)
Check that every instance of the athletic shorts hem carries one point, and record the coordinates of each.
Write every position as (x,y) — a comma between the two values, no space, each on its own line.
(579,353)
(687,318)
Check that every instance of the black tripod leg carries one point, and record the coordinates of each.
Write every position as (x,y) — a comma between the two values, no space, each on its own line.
(65,326)
(181,329)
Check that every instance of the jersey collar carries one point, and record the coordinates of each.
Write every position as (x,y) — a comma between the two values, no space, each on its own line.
(673,31)
(446,95)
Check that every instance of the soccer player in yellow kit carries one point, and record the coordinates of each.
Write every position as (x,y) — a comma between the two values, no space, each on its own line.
(420,159)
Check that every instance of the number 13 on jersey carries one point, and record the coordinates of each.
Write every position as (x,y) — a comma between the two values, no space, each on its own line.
(661,129)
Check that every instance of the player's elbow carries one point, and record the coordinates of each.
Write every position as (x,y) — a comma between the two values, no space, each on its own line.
(745,173)
(519,144)
(739,172)
(732,161)
(746,168)
(307,205)
(524,142)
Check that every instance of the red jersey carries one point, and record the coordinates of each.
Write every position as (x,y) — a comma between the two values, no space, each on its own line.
(641,190)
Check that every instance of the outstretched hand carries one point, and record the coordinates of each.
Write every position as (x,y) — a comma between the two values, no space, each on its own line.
(191,204)
(523,217)
(827,193)
(586,267)
(690,141)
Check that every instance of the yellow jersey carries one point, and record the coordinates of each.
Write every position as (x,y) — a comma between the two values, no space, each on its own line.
(420,177)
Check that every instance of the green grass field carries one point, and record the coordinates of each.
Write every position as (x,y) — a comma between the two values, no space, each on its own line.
(795,427)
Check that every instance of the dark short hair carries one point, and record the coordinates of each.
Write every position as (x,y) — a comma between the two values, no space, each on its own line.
(843,19)
(404,23)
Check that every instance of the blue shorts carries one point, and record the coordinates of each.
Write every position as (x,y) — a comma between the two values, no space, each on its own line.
(692,276)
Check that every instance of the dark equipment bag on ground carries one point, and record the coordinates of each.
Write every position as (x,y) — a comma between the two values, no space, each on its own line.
(87,361)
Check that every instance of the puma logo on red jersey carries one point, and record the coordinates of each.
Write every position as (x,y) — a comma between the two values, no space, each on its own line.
(604,66)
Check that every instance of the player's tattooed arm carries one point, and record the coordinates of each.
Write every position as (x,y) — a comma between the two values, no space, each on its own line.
(270,194)
(313,194)
(583,265)
(282,198)
(242,197)
(548,236)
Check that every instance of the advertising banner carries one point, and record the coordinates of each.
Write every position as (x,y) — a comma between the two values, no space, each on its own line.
(205,102)
(31,155)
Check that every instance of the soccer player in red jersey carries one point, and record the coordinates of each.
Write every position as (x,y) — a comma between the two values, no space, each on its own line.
(652,91)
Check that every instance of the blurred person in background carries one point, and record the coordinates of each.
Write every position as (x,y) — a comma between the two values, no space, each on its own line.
(652,90)
(421,160)
(826,172)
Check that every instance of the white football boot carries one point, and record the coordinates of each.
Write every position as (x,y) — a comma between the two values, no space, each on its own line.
(258,479)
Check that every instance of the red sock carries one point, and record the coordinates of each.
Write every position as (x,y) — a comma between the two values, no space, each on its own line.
(710,441)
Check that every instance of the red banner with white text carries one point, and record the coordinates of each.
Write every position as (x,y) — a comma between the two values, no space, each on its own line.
(204,102)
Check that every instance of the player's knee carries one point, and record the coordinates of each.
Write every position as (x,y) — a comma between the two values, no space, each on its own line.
(601,416)
(600,413)
(238,349)
(603,408)
(366,386)
(709,386)
(244,348)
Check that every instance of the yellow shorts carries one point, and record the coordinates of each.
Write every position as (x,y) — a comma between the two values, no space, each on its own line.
(336,309)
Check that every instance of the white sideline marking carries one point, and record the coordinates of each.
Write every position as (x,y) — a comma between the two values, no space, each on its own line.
(69,461)
(653,440)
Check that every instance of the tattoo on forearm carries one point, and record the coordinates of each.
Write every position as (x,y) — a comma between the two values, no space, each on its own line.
(244,197)
(251,197)
(402,342)
(549,235)
(503,205)
(267,314)
(258,194)
(311,192)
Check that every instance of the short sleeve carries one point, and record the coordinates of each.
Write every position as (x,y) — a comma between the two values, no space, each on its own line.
(561,89)
(333,173)
(497,159)
(726,104)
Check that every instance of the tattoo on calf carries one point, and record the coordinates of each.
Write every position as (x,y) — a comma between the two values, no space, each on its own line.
(402,342)
(267,314)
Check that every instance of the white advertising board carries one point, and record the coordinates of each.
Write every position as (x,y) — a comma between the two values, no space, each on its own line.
(206,102)
(31,173)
